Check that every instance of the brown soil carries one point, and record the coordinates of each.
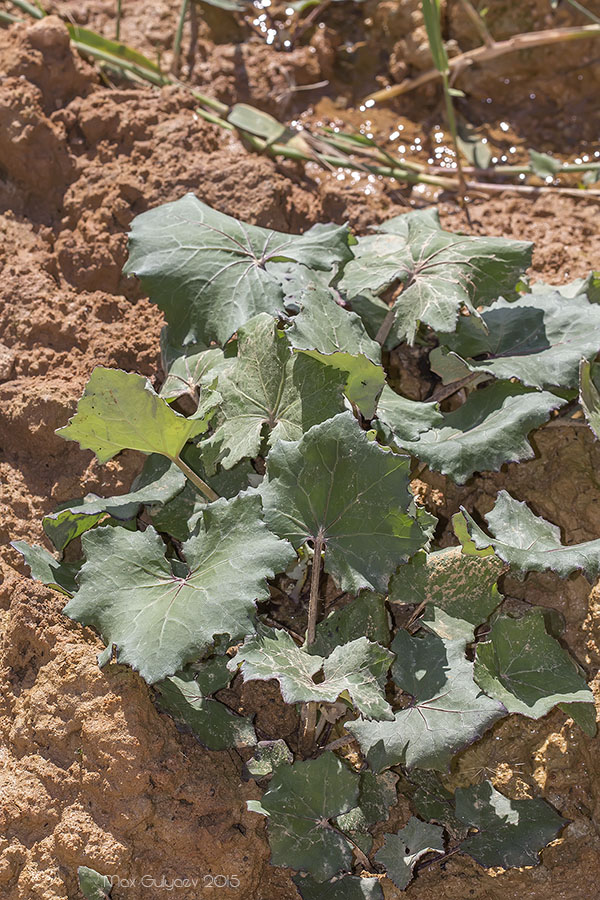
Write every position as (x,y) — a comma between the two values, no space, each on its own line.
(91,773)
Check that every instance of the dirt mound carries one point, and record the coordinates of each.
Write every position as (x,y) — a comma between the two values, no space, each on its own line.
(91,773)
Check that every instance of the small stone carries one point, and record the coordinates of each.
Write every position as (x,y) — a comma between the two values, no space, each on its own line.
(7,361)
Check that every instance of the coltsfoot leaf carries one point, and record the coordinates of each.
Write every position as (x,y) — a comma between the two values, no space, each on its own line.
(365,616)
(463,586)
(358,669)
(300,803)
(488,430)
(529,543)
(403,850)
(441,272)
(159,482)
(327,332)
(47,569)
(538,338)
(337,484)
(268,388)
(186,697)
(210,273)
(160,620)
(448,710)
(510,832)
(121,411)
(526,669)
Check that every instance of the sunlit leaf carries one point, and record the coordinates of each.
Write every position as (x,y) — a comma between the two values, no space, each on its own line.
(160,620)
(529,543)
(210,273)
(336,484)
(120,410)
(358,669)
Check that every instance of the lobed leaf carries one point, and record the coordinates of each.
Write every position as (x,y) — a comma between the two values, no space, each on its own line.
(529,543)
(538,338)
(336,484)
(267,389)
(510,832)
(335,336)
(526,669)
(120,410)
(158,483)
(440,271)
(160,620)
(403,850)
(448,710)
(300,802)
(366,616)
(358,669)
(186,697)
(46,568)
(210,273)
(463,586)
(488,430)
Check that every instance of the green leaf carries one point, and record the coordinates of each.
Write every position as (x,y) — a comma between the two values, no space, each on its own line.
(121,52)
(299,803)
(543,165)
(254,121)
(448,710)
(461,585)
(210,273)
(336,484)
(92,885)
(402,851)
(488,430)
(526,669)
(179,516)
(350,887)
(358,669)
(268,388)
(366,616)
(440,271)
(377,795)
(47,569)
(186,699)
(432,801)
(159,481)
(511,832)
(589,396)
(372,312)
(120,410)
(189,369)
(529,543)
(407,419)
(267,757)
(160,620)
(539,338)
(337,337)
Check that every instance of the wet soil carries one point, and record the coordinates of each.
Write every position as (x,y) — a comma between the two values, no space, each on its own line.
(90,773)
